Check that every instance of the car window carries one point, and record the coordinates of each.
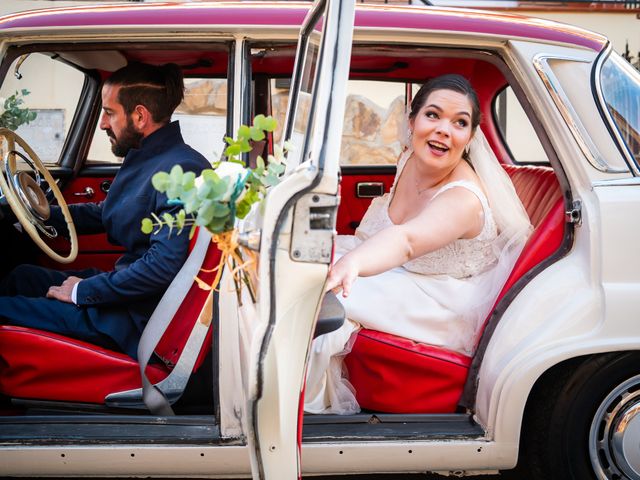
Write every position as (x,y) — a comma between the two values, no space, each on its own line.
(202,116)
(620,85)
(374,123)
(300,125)
(516,130)
(40,111)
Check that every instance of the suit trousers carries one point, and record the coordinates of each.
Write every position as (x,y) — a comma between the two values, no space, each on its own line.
(23,303)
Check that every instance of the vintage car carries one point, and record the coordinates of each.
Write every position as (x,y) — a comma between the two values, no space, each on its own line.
(553,388)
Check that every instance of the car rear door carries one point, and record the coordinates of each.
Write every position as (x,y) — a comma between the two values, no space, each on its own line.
(297,233)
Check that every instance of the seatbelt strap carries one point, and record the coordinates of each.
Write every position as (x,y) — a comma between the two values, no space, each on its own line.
(153,397)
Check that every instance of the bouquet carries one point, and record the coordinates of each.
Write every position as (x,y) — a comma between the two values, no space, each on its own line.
(219,196)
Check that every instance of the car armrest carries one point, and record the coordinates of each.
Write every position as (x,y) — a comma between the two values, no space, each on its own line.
(331,316)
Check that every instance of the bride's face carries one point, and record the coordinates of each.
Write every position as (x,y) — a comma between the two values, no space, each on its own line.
(442,129)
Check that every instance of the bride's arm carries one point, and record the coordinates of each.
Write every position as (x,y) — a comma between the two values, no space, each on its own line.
(454,214)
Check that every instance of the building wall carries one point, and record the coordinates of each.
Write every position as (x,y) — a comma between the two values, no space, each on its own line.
(621,27)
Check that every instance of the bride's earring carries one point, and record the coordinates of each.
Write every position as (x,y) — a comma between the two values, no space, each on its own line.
(466,150)
(410,136)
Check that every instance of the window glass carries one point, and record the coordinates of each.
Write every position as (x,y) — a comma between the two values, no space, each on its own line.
(302,111)
(50,90)
(516,129)
(279,100)
(202,116)
(374,127)
(620,85)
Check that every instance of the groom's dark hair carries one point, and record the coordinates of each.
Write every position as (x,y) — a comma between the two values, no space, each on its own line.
(160,88)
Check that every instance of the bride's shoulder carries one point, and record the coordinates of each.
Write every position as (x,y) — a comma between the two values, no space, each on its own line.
(467,178)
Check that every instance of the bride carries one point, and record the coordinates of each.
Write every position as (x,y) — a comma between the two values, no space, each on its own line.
(431,256)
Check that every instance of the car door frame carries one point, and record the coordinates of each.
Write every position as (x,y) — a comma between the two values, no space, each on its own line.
(287,315)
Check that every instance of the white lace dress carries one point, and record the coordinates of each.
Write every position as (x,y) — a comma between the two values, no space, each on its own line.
(424,300)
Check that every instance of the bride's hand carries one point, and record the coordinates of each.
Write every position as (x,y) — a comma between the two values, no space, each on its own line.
(341,276)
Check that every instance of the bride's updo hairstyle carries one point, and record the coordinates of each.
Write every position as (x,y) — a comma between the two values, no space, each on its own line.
(456,83)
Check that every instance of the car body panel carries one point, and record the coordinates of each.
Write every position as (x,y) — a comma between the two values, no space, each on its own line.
(579,304)
(269,14)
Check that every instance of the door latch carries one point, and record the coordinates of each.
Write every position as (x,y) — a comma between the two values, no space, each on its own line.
(314,223)
(574,215)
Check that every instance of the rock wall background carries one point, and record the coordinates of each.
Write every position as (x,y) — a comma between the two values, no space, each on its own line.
(371,135)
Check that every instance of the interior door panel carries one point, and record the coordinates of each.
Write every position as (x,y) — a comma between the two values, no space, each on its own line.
(93,250)
(357,184)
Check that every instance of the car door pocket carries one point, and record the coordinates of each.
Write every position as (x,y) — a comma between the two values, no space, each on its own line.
(369,189)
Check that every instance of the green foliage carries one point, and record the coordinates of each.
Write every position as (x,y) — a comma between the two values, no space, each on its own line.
(218,196)
(13,114)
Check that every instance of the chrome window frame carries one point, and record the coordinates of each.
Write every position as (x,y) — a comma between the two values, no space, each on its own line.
(613,128)
(571,118)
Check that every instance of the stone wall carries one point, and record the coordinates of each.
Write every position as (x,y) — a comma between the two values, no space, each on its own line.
(208,96)
(371,135)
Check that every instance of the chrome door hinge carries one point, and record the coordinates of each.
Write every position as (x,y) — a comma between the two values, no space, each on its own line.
(575,214)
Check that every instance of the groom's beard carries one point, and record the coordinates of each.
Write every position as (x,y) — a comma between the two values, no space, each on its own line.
(129,138)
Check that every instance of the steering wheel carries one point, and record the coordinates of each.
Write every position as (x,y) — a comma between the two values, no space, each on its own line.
(26,198)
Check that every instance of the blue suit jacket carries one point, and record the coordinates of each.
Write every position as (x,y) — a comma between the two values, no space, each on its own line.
(120,302)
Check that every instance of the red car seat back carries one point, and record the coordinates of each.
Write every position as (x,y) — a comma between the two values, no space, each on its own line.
(397,375)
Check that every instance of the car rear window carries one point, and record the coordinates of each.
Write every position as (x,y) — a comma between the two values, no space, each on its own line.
(620,86)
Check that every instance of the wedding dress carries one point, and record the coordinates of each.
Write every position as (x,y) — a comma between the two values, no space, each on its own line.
(440,298)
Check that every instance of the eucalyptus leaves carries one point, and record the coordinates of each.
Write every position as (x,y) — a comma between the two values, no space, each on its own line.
(220,195)
(12,113)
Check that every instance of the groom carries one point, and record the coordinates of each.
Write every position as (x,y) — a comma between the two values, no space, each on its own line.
(112,308)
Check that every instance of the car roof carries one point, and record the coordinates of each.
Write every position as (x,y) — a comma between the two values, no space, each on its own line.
(208,16)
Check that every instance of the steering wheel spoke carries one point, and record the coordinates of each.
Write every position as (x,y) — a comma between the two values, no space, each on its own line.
(26,198)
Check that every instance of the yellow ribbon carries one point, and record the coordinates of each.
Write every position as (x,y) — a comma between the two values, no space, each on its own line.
(243,271)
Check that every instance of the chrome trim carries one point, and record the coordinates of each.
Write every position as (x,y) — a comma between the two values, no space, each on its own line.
(239,75)
(617,182)
(589,150)
(28,210)
(87,192)
(48,230)
(615,433)
(574,215)
(622,146)
(361,188)
(26,160)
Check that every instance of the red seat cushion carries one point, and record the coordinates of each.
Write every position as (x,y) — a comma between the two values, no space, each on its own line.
(41,365)
(397,375)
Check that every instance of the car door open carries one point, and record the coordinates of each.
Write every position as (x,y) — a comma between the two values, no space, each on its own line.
(298,226)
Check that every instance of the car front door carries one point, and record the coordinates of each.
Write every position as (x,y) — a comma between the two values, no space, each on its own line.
(297,232)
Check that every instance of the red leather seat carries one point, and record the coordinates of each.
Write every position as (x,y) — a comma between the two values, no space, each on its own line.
(397,375)
(36,364)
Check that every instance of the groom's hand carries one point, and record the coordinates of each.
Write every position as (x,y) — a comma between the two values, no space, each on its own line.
(63,292)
